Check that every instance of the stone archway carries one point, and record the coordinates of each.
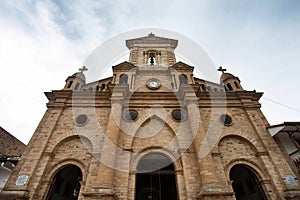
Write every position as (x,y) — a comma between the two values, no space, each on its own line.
(65,184)
(155,178)
(246,184)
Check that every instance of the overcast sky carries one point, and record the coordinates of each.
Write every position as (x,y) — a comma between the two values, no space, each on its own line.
(43,42)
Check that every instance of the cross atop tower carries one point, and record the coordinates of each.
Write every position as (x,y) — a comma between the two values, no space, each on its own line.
(83,69)
(221,69)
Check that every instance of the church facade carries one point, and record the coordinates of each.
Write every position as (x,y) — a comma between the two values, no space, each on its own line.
(152,131)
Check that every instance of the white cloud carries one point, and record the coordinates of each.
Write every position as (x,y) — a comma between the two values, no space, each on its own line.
(43,42)
(37,59)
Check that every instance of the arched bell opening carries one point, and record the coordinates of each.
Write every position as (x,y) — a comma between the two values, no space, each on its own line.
(151,59)
(155,178)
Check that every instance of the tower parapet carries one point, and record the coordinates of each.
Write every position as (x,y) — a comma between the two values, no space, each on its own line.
(152,50)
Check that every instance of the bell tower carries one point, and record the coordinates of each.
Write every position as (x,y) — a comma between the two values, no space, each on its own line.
(152,50)
(230,82)
(152,66)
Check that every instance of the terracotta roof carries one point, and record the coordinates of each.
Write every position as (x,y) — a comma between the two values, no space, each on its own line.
(9,145)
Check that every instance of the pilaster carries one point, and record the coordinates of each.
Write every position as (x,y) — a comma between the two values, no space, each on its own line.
(210,185)
(104,187)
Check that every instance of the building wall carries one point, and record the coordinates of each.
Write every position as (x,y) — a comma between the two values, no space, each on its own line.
(58,141)
(107,148)
(4,174)
(9,145)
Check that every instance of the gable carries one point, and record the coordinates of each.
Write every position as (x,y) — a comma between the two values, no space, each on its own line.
(123,66)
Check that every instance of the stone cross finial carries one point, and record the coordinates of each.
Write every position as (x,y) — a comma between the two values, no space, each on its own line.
(83,69)
(221,69)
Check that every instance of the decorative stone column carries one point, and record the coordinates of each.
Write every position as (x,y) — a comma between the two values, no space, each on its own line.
(105,176)
(211,188)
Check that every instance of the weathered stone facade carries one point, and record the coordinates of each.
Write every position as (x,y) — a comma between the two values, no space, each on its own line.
(108,146)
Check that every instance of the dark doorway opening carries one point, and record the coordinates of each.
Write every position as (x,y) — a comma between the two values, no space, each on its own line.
(155,179)
(66,184)
(245,184)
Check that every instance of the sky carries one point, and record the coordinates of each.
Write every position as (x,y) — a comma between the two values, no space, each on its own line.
(43,42)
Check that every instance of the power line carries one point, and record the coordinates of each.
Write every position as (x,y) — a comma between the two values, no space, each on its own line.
(289,107)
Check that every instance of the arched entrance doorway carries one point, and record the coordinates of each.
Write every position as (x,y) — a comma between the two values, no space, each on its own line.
(155,178)
(66,184)
(245,184)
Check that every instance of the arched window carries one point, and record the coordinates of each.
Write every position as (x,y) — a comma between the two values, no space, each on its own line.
(203,87)
(102,87)
(236,85)
(76,86)
(155,178)
(229,87)
(66,184)
(183,79)
(245,184)
(123,79)
(70,84)
(209,88)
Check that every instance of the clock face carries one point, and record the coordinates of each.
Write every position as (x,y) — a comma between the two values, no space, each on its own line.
(153,84)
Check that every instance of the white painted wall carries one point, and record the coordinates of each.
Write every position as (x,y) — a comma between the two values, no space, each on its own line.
(4,174)
(287,142)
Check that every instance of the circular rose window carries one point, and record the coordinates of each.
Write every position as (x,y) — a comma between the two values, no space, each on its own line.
(130,115)
(179,115)
(81,119)
(226,119)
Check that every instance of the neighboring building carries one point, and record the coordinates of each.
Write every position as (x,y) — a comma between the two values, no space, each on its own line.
(152,131)
(11,150)
(287,136)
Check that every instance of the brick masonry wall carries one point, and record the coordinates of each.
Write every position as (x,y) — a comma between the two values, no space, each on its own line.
(9,145)
(56,143)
